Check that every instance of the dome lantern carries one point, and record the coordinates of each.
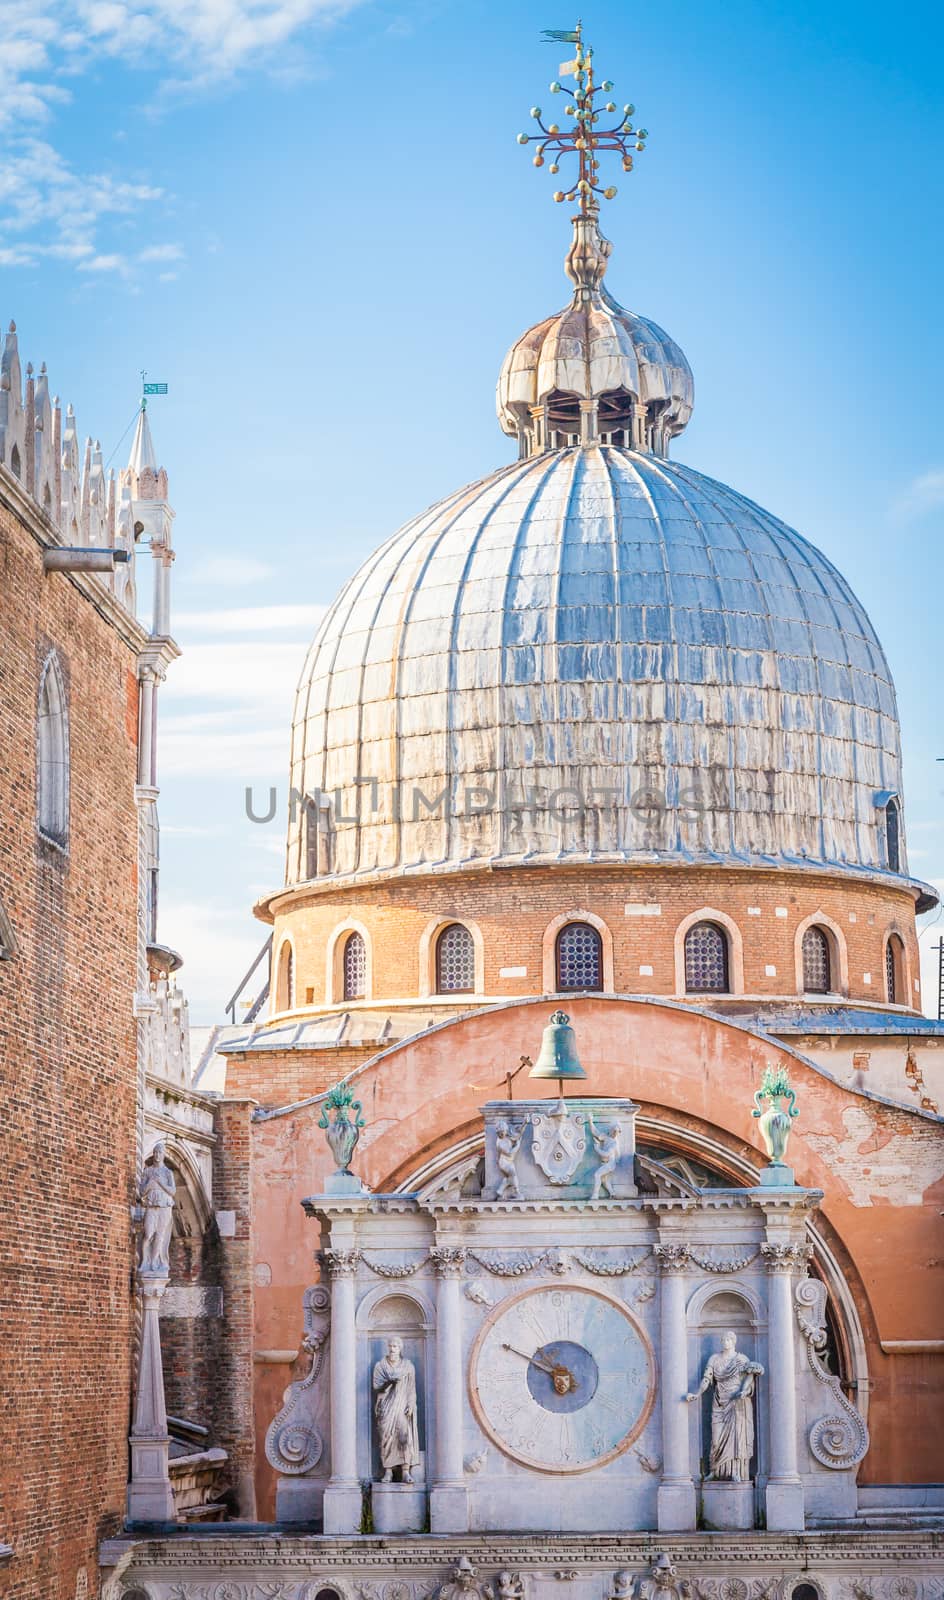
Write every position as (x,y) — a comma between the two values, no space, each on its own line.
(595,373)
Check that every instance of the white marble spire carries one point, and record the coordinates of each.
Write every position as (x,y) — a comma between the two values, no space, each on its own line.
(143,453)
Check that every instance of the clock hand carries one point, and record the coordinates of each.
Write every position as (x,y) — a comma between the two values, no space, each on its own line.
(543,1366)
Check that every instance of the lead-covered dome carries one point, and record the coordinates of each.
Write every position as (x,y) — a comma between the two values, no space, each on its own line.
(593,654)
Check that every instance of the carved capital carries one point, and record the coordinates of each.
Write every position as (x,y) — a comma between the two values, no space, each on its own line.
(786,1257)
(340,1263)
(448,1260)
(673,1257)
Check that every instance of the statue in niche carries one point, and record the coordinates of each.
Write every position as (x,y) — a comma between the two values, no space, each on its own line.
(732,1410)
(507,1145)
(156,1191)
(394,1384)
(606,1144)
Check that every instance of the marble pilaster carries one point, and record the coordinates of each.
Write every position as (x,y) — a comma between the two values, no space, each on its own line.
(449,1499)
(676,1496)
(342,1496)
(784,1496)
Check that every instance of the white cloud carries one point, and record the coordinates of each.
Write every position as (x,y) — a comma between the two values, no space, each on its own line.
(162,252)
(251,619)
(217,948)
(178,44)
(47,209)
(263,672)
(924,493)
(230,571)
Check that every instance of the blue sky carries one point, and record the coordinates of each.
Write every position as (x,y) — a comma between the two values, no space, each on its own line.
(312,220)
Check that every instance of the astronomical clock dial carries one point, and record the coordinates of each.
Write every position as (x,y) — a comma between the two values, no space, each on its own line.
(562,1379)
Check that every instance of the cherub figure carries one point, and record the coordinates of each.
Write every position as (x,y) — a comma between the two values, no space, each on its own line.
(507,1145)
(606,1144)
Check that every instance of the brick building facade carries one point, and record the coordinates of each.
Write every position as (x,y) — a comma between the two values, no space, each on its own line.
(69,887)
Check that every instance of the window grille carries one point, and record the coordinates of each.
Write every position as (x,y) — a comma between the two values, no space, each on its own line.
(355,967)
(706,959)
(816,962)
(455,961)
(579,957)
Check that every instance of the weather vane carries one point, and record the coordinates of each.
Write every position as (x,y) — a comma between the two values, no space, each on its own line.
(584,138)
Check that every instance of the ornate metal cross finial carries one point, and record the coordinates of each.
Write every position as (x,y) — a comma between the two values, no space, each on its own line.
(585,139)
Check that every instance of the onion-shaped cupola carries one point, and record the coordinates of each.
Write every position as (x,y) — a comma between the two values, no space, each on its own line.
(595,373)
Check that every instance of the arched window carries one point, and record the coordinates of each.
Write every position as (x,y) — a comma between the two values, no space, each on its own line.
(894,970)
(706,959)
(354,964)
(579,957)
(455,961)
(892,836)
(15,467)
(52,807)
(817,963)
(285,978)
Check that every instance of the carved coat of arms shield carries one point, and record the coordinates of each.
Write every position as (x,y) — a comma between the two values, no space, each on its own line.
(557,1145)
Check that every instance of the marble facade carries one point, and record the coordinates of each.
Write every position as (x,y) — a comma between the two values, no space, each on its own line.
(617,1301)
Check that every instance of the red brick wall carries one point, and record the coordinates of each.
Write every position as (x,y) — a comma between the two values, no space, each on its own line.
(233,1386)
(514,907)
(68,1072)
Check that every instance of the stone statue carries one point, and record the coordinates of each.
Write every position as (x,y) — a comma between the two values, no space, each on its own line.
(732,1410)
(394,1383)
(507,1145)
(606,1144)
(156,1191)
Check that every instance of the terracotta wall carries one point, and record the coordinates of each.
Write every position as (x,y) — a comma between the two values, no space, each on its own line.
(68,1070)
(513,909)
(881,1168)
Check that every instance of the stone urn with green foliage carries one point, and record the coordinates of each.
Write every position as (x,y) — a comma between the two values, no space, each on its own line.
(342,1132)
(776,1106)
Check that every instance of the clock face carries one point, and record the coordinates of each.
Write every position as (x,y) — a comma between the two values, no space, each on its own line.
(562,1379)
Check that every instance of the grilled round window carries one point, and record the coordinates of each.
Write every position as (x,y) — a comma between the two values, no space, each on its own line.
(579,957)
(706,959)
(816,963)
(455,961)
(355,967)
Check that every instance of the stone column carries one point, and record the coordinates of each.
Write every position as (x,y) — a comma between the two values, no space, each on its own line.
(150,1497)
(449,1500)
(785,1511)
(676,1500)
(342,1496)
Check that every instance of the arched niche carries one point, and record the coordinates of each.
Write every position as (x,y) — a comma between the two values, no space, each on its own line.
(388,1312)
(713,1309)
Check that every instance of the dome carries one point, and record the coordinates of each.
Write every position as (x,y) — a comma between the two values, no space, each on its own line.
(595,370)
(593,654)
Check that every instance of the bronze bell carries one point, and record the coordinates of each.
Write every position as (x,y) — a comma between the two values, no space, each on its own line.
(558,1058)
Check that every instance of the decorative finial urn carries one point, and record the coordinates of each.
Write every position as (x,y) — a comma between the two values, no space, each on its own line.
(342,1133)
(776,1119)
